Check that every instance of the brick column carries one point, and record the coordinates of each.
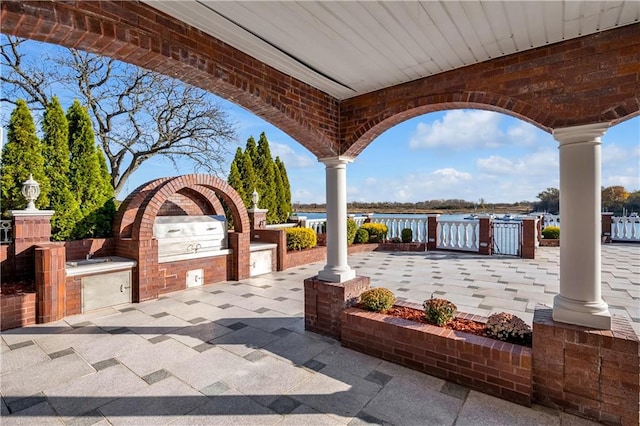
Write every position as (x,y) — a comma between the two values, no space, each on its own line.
(50,283)
(324,302)
(485,239)
(606,224)
(239,244)
(593,373)
(30,227)
(258,218)
(529,226)
(432,231)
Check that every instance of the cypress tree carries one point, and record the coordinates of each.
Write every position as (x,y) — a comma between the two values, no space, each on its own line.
(56,161)
(235,180)
(239,161)
(22,156)
(87,175)
(251,149)
(280,206)
(266,186)
(286,187)
(249,179)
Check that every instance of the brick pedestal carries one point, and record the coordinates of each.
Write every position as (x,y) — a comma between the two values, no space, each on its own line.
(324,302)
(432,232)
(30,227)
(588,372)
(529,238)
(50,283)
(485,238)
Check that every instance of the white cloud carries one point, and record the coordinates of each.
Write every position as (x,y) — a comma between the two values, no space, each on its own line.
(460,129)
(473,129)
(450,175)
(621,166)
(540,163)
(291,158)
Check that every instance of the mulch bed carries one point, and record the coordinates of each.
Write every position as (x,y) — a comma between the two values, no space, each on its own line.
(17,287)
(457,324)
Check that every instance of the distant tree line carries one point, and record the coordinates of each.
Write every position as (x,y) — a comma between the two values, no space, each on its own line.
(255,169)
(70,169)
(614,199)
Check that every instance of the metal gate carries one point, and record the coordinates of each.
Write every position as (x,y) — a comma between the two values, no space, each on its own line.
(507,237)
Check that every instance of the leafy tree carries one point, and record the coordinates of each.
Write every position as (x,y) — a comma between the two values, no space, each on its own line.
(549,201)
(137,114)
(87,176)
(22,156)
(264,166)
(613,198)
(286,188)
(632,203)
(235,180)
(251,149)
(281,209)
(249,179)
(56,160)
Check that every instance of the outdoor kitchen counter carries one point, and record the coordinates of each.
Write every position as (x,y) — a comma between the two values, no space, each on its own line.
(98,264)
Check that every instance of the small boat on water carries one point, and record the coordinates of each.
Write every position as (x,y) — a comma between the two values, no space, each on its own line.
(471,217)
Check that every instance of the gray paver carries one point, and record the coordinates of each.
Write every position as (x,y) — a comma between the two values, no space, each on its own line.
(282,361)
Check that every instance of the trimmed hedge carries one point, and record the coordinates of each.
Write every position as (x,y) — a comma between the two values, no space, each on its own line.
(301,238)
(352,228)
(377,231)
(377,299)
(407,235)
(551,232)
(362,236)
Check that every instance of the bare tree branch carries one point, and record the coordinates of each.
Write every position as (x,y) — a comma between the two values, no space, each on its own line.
(137,114)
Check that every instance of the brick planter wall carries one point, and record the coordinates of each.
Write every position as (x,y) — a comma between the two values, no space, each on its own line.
(490,366)
(547,242)
(17,310)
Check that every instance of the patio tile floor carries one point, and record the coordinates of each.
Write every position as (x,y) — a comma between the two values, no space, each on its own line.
(172,361)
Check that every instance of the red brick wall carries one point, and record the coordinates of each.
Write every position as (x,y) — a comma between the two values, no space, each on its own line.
(579,81)
(50,282)
(17,310)
(592,373)
(73,294)
(6,263)
(186,203)
(302,257)
(487,365)
(173,275)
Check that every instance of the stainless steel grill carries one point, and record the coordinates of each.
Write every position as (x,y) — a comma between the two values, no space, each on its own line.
(189,236)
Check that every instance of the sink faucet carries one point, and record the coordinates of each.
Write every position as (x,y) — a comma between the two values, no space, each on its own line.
(89,255)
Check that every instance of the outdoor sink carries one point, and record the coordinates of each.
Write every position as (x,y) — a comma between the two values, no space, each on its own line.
(89,261)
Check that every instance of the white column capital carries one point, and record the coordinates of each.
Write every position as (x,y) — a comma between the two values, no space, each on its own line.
(336,161)
(580,134)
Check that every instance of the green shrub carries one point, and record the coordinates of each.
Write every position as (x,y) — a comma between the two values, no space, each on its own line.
(352,228)
(407,235)
(551,232)
(300,238)
(508,328)
(362,236)
(377,231)
(439,311)
(377,299)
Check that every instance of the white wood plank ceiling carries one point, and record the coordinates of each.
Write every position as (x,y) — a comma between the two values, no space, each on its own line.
(347,48)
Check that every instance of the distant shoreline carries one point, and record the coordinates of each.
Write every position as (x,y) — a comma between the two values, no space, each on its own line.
(382,210)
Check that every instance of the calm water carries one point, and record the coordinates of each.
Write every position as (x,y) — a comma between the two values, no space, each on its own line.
(397,216)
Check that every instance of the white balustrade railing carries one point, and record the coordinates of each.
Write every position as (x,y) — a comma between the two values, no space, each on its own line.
(6,233)
(318,225)
(625,228)
(458,235)
(550,220)
(395,225)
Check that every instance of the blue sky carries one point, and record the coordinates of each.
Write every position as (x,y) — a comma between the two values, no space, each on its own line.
(464,154)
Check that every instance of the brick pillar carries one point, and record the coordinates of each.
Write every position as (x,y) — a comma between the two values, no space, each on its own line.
(588,372)
(529,226)
(324,302)
(239,244)
(484,236)
(432,232)
(258,218)
(30,227)
(50,282)
(606,220)
(147,286)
